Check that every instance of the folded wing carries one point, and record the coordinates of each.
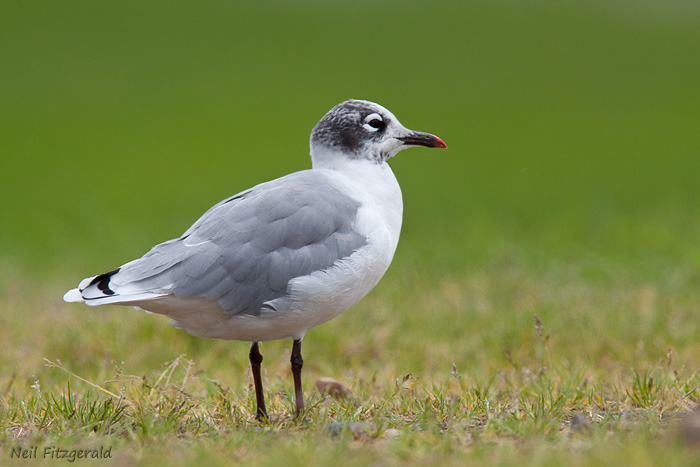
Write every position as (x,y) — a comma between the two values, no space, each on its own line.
(243,251)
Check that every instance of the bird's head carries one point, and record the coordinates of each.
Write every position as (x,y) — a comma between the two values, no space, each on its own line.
(358,129)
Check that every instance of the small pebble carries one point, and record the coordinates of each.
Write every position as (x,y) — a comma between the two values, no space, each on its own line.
(333,388)
(359,430)
(690,429)
(580,424)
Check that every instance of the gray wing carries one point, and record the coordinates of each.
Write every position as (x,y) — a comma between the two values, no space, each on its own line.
(244,251)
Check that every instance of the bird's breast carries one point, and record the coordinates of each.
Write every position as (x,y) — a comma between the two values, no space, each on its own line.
(323,295)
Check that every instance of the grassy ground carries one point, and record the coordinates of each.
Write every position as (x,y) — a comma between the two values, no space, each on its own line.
(495,385)
(542,306)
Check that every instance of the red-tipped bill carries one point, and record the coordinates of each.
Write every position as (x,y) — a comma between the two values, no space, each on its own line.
(418,138)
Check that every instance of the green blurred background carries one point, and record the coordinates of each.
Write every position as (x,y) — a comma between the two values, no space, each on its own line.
(572,126)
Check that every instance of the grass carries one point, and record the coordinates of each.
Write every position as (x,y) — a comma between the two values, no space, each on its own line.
(548,265)
(502,388)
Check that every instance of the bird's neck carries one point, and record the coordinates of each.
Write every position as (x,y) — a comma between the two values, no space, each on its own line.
(323,157)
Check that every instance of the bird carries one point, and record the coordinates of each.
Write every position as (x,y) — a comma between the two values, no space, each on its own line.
(284,256)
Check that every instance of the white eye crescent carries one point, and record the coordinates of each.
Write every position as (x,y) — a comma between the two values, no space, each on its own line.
(373,122)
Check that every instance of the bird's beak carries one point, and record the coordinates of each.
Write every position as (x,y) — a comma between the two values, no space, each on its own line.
(417,138)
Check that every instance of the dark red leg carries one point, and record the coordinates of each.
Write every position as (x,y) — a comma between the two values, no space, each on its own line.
(255,360)
(297,364)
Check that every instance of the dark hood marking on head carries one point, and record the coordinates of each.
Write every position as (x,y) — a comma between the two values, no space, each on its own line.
(342,127)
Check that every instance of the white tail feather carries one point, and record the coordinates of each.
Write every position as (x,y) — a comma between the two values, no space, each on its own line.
(73,295)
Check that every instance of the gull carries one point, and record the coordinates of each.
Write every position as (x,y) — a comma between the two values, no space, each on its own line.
(284,256)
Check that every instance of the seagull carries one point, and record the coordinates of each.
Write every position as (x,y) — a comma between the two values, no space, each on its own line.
(284,256)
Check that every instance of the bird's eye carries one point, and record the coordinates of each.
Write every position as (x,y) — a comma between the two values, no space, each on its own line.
(373,122)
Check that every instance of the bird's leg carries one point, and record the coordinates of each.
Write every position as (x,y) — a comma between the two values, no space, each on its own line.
(255,360)
(297,364)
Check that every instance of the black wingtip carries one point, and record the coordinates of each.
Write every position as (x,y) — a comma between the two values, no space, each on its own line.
(102,282)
